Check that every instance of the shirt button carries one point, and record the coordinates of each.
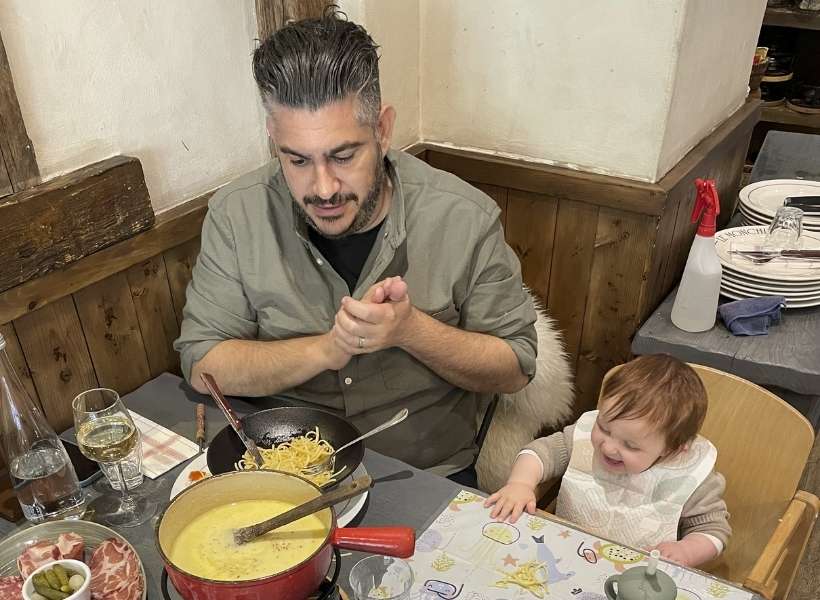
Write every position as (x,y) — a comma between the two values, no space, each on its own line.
(319,261)
(348,381)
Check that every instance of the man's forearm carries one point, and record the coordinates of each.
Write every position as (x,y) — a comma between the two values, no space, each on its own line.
(261,368)
(472,361)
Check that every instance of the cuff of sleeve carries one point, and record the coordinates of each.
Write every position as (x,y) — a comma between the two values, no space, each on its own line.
(193,353)
(538,458)
(715,541)
(524,353)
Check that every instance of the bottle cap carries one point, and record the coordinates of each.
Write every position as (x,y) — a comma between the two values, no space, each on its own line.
(707,207)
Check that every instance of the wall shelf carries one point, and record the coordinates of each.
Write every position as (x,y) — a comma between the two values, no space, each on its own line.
(790,17)
(786,116)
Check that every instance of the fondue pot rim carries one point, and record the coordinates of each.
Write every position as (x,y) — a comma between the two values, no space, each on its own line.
(264,578)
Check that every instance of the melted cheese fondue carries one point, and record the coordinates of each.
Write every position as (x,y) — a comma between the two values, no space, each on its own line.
(205,547)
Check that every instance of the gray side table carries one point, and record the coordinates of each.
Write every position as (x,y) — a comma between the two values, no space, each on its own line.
(787,360)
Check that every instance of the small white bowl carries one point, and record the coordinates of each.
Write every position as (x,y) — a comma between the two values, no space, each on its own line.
(84,593)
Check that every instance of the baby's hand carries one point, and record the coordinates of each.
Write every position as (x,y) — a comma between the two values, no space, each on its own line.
(512,500)
(677,552)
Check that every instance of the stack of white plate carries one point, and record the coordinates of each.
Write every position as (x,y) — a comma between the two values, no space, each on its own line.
(759,201)
(798,280)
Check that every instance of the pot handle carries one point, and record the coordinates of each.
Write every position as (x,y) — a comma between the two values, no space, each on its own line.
(390,541)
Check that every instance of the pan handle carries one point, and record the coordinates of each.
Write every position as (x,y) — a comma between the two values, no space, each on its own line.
(390,541)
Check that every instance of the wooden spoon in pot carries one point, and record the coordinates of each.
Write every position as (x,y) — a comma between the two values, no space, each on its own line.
(243,535)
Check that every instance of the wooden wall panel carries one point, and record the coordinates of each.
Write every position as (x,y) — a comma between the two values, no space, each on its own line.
(179,262)
(620,263)
(499,194)
(530,232)
(54,346)
(18,360)
(573,250)
(112,332)
(157,320)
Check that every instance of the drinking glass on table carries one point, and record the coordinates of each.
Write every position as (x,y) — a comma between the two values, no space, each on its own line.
(381,577)
(107,434)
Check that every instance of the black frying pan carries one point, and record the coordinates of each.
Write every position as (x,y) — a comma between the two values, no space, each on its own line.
(276,425)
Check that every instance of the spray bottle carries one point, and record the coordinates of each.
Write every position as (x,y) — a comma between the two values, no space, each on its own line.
(696,302)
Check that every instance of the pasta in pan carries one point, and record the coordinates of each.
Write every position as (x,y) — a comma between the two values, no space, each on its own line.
(294,456)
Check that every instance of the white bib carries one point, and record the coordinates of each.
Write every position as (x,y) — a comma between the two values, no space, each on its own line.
(640,510)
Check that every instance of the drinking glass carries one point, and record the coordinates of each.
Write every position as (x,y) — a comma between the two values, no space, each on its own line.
(107,434)
(381,578)
(785,229)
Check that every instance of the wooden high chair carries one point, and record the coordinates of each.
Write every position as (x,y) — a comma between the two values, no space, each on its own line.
(763,444)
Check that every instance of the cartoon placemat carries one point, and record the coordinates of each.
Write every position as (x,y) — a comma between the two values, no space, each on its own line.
(465,555)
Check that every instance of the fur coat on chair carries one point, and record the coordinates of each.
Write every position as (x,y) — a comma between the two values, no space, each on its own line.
(546,402)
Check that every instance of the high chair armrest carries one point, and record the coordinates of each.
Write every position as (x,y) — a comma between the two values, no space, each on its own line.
(774,571)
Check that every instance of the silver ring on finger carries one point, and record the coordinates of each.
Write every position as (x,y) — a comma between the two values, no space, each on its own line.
(361,342)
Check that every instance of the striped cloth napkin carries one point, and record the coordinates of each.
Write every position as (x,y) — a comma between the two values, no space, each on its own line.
(162,449)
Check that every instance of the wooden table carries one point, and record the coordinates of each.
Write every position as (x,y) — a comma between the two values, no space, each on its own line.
(787,360)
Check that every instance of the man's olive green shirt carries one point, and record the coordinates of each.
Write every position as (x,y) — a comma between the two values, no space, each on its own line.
(258,276)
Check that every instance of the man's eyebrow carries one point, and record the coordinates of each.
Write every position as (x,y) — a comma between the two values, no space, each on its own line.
(333,151)
(345,146)
(287,150)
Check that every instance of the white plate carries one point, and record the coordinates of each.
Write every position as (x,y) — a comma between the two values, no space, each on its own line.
(763,286)
(808,217)
(772,271)
(345,511)
(741,296)
(93,535)
(762,291)
(788,286)
(765,197)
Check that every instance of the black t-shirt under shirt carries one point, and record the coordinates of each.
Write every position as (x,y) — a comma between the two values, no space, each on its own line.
(348,254)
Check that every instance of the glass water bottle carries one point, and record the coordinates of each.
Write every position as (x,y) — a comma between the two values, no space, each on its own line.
(41,473)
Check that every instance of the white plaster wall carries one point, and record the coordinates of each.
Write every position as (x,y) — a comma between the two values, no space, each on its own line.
(582,84)
(167,82)
(717,46)
(592,85)
(395,26)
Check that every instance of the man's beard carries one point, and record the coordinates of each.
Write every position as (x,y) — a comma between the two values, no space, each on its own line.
(366,209)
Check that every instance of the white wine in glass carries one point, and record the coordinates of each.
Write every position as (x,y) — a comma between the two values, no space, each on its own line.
(107,434)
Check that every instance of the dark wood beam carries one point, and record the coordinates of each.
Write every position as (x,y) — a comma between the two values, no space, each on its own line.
(18,165)
(172,228)
(274,14)
(74,215)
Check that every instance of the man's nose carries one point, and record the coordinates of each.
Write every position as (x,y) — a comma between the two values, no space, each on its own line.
(326,183)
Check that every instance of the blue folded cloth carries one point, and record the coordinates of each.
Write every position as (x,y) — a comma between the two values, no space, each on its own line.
(752,316)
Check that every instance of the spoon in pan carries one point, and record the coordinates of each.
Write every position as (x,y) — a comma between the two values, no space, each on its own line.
(328,462)
(216,394)
(243,535)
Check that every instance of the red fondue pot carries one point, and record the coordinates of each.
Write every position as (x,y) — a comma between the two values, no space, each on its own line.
(297,582)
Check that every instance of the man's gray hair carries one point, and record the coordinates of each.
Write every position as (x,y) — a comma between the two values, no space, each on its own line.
(315,62)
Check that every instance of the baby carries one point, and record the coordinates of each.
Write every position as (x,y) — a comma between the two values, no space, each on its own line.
(635,470)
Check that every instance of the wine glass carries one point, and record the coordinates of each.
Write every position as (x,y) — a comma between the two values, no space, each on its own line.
(107,434)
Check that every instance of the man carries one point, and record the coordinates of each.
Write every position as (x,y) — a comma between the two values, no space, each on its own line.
(351,276)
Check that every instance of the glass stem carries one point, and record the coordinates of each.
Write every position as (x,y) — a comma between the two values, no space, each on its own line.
(127,500)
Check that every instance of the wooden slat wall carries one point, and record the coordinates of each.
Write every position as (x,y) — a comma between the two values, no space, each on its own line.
(117,332)
(602,252)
